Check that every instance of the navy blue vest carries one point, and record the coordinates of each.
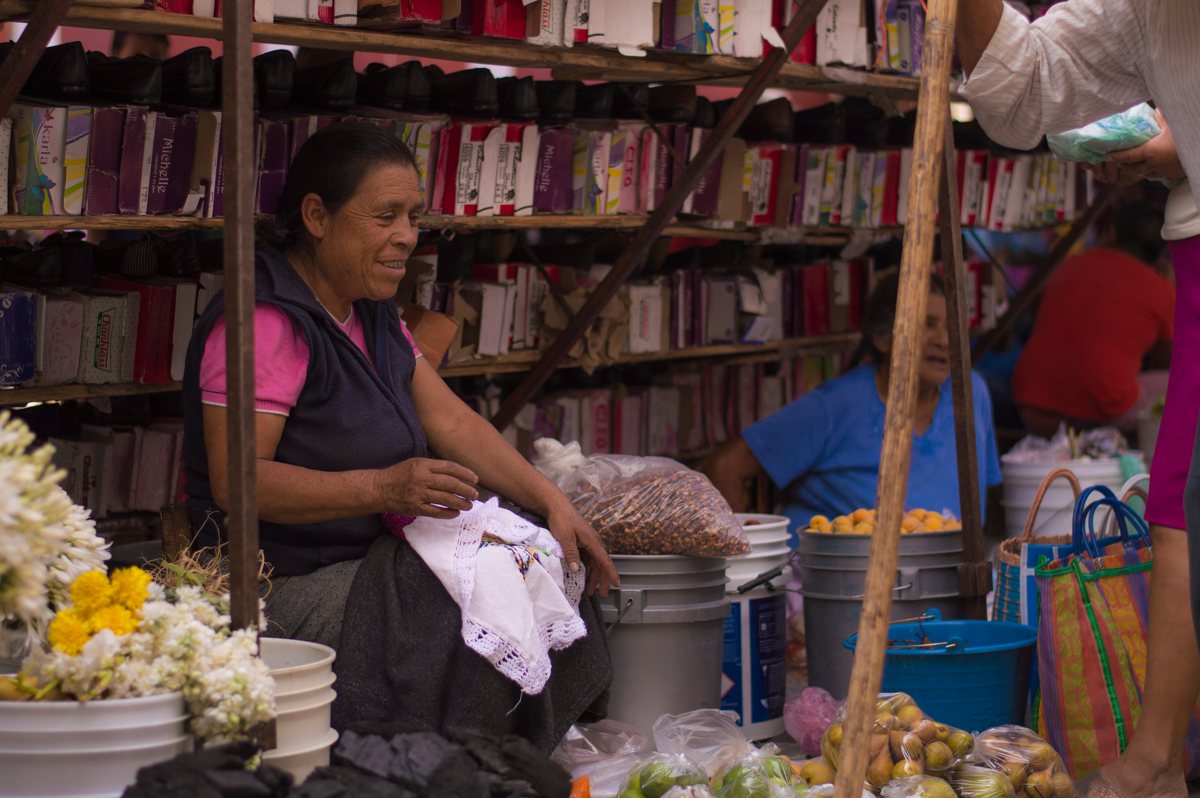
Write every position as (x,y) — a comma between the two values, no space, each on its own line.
(349,415)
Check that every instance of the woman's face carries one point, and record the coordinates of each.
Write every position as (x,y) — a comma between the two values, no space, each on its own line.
(361,248)
(934,367)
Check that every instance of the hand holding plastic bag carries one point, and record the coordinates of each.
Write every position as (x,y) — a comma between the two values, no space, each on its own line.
(643,505)
(710,736)
(1092,143)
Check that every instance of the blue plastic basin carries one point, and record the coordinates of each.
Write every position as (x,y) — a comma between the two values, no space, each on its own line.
(978,681)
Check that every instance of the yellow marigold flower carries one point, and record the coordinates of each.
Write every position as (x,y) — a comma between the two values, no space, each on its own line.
(115,617)
(68,632)
(129,587)
(90,591)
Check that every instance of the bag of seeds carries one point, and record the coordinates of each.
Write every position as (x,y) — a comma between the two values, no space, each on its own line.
(644,505)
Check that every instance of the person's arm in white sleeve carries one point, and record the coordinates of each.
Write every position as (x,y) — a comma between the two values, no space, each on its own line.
(1081,62)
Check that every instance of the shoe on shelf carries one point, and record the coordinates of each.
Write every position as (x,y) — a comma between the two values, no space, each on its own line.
(137,80)
(404,87)
(470,92)
(189,78)
(332,86)
(517,99)
(61,73)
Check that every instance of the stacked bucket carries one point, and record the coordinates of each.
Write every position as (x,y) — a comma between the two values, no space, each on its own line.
(304,694)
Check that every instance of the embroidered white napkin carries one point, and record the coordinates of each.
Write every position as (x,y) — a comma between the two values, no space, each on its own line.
(518,601)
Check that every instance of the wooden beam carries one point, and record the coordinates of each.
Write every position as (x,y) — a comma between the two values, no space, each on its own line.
(633,255)
(1058,253)
(17,68)
(65,393)
(238,143)
(928,164)
(975,573)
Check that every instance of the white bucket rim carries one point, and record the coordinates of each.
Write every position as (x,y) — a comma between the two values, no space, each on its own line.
(59,707)
(328,740)
(311,688)
(763,519)
(172,743)
(327,697)
(327,654)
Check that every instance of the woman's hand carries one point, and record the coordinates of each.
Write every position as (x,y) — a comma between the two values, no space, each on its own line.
(424,487)
(1157,159)
(573,534)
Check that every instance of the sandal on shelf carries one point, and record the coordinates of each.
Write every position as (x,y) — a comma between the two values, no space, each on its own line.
(1095,785)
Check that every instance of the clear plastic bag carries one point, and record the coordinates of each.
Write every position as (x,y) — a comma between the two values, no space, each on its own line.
(1092,143)
(919,787)
(708,736)
(806,718)
(976,781)
(1029,762)
(904,742)
(644,505)
(761,774)
(658,774)
(605,752)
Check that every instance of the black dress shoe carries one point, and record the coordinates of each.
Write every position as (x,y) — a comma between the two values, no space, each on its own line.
(518,99)
(274,76)
(866,123)
(61,73)
(558,100)
(333,86)
(189,78)
(825,124)
(471,92)
(137,80)
(62,259)
(404,87)
(673,104)
(706,114)
(631,100)
(770,121)
(596,101)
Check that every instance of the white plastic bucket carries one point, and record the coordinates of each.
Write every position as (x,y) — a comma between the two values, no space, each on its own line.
(754,667)
(97,717)
(303,674)
(1021,482)
(300,763)
(93,771)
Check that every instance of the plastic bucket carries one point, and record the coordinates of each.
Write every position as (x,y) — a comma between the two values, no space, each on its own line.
(754,678)
(833,572)
(300,763)
(977,678)
(94,770)
(303,674)
(666,624)
(296,664)
(1021,483)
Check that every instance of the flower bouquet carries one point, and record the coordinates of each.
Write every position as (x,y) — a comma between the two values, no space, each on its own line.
(99,636)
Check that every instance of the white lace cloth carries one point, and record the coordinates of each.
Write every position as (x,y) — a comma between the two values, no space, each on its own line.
(518,601)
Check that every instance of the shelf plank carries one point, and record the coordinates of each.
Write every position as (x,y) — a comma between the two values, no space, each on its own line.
(63,393)
(522,361)
(109,222)
(582,62)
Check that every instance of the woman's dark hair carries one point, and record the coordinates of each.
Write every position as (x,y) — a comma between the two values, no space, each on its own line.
(880,316)
(332,164)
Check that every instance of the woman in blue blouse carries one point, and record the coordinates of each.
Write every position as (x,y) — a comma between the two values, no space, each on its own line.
(822,450)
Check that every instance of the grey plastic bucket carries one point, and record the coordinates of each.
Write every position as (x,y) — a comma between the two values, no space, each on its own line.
(666,630)
(833,575)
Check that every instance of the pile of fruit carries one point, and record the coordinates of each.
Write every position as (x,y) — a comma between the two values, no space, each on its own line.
(862,522)
(914,756)
(762,774)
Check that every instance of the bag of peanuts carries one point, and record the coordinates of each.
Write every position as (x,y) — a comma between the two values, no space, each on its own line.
(644,505)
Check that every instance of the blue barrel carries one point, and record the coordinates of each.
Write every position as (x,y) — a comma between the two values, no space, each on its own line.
(969,674)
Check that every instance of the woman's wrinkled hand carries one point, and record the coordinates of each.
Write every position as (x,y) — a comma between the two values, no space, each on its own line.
(576,535)
(421,486)
(1157,159)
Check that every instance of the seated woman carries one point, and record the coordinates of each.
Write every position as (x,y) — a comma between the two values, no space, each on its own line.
(822,450)
(347,413)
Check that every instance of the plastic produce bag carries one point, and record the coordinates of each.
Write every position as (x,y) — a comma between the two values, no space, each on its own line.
(709,736)
(761,774)
(919,787)
(807,717)
(605,752)
(1092,143)
(974,781)
(658,774)
(903,742)
(644,505)
(1030,763)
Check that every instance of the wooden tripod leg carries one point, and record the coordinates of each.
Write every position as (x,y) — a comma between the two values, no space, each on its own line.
(974,575)
(927,167)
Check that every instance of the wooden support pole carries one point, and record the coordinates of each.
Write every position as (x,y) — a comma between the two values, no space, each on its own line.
(1058,253)
(237,130)
(17,68)
(633,255)
(975,573)
(916,257)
